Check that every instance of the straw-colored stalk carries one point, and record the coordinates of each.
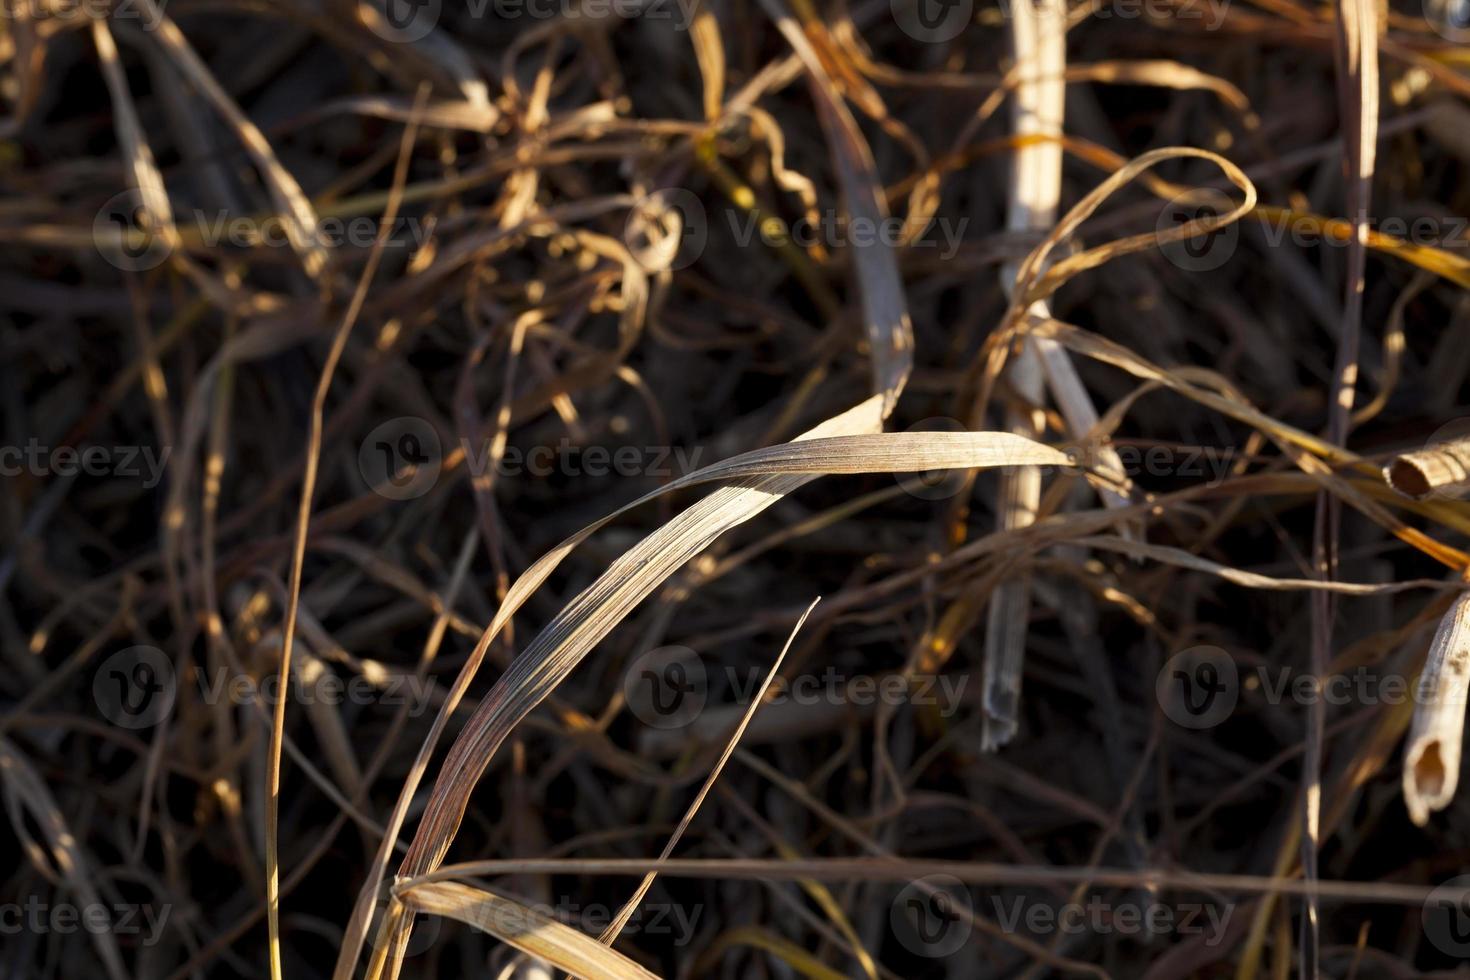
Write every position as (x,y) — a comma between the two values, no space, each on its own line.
(1432,759)
(1443,468)
(1039,37)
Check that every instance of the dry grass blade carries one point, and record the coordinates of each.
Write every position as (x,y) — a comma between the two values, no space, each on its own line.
(1433,749)
(980,873)
(303,521)
(593,613)
(1251,580)
(528,930)
(25,791)
(1356,54)
(1038,35)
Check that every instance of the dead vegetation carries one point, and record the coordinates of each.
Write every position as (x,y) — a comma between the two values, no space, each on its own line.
(506,381)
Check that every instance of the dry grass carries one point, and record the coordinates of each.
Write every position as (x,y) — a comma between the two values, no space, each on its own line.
(504,382)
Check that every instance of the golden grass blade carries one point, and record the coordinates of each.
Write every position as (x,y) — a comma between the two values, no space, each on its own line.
(709,51)
(528,930)
(1355,53)
(303,521)
(1432,751)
